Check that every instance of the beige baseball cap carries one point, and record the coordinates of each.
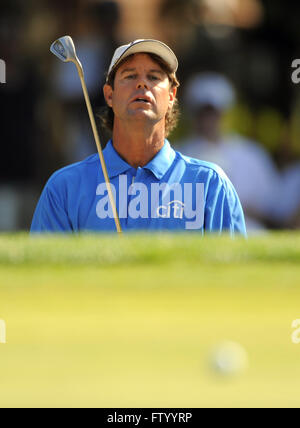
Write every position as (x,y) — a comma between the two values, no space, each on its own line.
(209,88)
(144,46)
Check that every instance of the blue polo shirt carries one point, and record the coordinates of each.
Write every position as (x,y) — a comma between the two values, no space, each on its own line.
(171,192)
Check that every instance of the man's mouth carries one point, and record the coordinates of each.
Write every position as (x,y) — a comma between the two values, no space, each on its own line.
(141,100)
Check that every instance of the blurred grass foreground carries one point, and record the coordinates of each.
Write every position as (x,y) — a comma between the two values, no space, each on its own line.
(131,321)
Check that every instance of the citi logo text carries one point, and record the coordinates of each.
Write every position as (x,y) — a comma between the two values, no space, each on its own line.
(164,211)
(2,71)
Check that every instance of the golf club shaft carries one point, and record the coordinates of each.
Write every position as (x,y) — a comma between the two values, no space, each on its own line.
(98,144)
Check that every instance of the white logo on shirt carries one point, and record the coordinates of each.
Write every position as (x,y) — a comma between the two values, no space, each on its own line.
(164,211)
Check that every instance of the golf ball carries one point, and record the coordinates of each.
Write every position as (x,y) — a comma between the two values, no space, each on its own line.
(229,358)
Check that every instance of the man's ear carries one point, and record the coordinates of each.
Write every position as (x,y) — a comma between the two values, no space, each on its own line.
(108,91)
(172,96)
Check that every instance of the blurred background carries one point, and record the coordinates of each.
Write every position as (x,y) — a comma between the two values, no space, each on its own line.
(239,106)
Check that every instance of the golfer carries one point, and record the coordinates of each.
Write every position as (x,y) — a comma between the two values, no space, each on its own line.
(154,187)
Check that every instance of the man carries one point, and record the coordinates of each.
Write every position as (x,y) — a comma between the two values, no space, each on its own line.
(154,186)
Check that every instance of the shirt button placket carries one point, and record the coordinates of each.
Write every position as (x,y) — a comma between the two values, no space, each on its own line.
(132,222)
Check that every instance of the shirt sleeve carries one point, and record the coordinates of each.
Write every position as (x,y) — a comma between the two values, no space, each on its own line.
(223,210)
(50,214)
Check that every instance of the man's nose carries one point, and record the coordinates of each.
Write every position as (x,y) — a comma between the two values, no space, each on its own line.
(142,83)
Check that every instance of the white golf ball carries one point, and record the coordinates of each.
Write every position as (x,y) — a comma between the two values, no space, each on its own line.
(229,358)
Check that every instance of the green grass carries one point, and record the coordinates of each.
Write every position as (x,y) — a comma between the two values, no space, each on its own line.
(130,321)
(108,249)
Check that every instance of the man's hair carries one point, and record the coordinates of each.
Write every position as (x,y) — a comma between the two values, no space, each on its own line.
(106,114)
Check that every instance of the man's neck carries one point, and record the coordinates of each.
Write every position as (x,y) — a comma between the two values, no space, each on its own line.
(137,145)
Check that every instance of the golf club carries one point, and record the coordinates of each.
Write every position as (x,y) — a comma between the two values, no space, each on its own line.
(64,49)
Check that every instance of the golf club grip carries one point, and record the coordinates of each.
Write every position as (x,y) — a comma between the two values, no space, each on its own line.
(102,161)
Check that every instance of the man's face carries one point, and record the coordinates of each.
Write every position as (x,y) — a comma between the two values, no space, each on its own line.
(141,91)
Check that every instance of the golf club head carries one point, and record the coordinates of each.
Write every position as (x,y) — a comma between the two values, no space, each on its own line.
(64,49)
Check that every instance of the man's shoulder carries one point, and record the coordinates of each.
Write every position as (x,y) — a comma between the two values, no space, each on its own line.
(202,166)
(74,170)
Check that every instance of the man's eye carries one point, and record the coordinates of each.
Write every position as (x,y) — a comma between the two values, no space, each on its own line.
(154,78)
(130,76)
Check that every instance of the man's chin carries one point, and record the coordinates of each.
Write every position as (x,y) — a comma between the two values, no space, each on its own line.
(143,113)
